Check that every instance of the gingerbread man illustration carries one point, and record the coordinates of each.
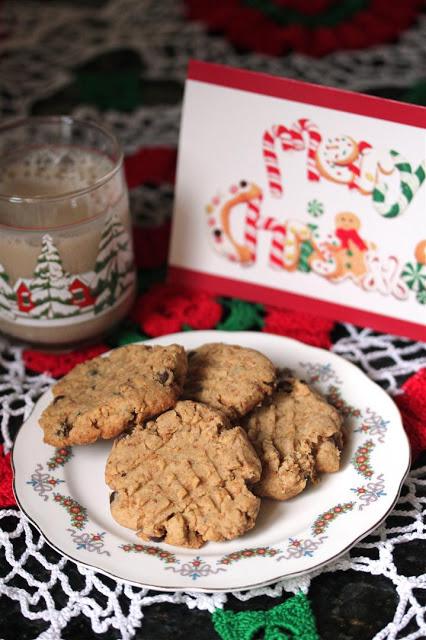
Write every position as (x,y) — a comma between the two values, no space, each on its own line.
(351,256)
(343,253)
(347,227)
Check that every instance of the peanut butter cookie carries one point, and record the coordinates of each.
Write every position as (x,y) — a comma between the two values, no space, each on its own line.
(296,434)
(104,396)
(230,378)
(184,478)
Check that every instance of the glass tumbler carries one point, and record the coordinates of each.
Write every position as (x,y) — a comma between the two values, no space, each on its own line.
(66,257)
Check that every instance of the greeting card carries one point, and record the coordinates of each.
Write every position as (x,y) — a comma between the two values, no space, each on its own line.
(302,196)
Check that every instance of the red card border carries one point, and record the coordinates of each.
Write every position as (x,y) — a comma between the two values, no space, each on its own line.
(338,99)
(307,93)
(292,301)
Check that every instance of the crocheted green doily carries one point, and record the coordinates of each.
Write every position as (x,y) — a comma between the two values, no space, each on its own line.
(241,315)
(291,620)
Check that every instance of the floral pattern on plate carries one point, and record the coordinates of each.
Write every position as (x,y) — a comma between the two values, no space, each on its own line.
(362,459)
(92,542)
(61,456)
(78,513)
(370,492)
(196,568)
(257,552)
(43,483)
(325,519)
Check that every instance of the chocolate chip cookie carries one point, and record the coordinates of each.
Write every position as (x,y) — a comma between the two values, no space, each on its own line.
(184,478)
(104,396)
(296,434)
(230,378)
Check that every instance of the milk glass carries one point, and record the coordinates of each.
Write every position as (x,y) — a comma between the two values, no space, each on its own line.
(66,257)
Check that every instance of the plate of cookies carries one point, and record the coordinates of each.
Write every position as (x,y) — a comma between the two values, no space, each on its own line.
(210,461)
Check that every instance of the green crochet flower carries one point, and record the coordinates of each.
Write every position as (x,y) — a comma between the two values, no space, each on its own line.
(292,619)
(128,336)
(241,315)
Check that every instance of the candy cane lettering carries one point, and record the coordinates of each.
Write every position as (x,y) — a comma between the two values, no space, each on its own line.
(384,276)
(373,166)
(292,139)
(297,232)
(219,222)
(410,182)
(335,159)
(286,237)
(286,240)
(278,239)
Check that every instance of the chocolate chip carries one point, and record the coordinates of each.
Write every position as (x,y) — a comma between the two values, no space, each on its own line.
(123,474)
(269,383)
(164,376)
(128,432)
(57,399)
(64,429)
(285,380)
(285,385)
(217,233)
(338,440)
(157,538)
(112,496)
(93,372)
(132,421)
(243,183)
(130,427)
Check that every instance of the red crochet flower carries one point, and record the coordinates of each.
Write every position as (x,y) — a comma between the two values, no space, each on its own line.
(168,309)
(301,326)
(58,364)
(313,27)
(7,499)
(412,404)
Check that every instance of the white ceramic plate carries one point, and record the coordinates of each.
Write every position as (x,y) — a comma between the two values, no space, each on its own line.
(64,495)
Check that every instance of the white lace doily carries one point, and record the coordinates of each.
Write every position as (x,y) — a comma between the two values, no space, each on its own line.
(123,609)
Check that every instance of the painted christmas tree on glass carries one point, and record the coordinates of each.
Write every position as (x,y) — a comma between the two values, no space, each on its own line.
(7,295)
(49,287)
(114,272)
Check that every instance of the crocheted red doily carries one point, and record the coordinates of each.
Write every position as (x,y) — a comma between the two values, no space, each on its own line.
(58,364)
(412,404)
(7,499)
(313,27)
(168,309)
(301,326)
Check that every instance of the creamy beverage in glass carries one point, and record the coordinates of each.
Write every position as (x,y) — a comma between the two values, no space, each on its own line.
(66,257)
